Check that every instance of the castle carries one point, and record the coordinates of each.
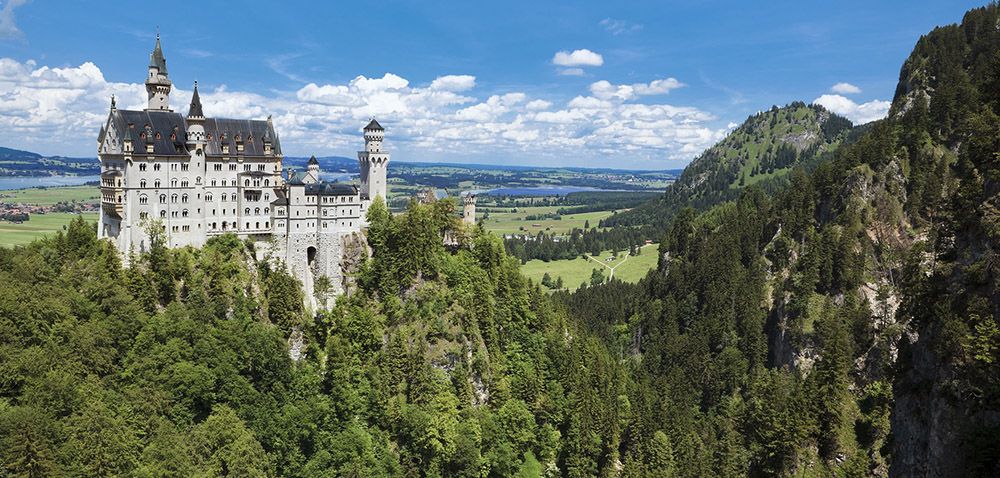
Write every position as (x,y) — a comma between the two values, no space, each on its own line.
(195,177)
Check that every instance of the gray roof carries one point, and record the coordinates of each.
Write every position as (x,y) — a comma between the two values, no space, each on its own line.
(195,108)
(251,132)
(156,59)
(297,178)
(280,202)
(373,125)
(312,160)
(331,189)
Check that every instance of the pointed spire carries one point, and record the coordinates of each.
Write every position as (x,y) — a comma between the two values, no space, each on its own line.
(156,59)
(113,103)
(374,126)
(195,110)
(312,160)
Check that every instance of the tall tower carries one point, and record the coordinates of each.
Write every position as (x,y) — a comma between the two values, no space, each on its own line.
(196,123)
(469,208)
(157,83)
(373,162)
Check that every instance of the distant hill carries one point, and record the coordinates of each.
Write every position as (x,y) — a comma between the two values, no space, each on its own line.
(763,150)
(15,162)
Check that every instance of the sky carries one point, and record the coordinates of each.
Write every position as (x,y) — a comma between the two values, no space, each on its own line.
(639,85)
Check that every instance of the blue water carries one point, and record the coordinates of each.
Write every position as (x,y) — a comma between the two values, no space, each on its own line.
(539,191)
(17,182)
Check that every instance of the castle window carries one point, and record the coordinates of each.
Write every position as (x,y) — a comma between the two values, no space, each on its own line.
(163,213)
(223,198)
(218,167)
(143,199)
(142,166)
(215,225)
(173,167)
(232,167)
(173,183)
(266,224)
(173,213)
(257,225)
(260,167)
(184,167)
(233,196)
(142,183)
(208,197)
(267,197)
(184,213)
(143,215)
(266,210)
(184,199)
(213,182)
(256,211)
(267,182)
(184,183)
(156,167)
(163,199)
(156,184)
(246,167)
(247,211)
(246,183)
(173,198)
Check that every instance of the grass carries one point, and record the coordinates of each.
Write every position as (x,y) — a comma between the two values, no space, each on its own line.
(51,196)
(38,226)
(577,271)
(513,222)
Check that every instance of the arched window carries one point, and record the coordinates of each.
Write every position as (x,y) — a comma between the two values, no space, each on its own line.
(156,184)
(163,213)
(184,183)
(215,225)
(184,198)
(224,197)
(143,199)
(184,213)
(208,197)
(266,210)
(142,183)
(233,195)
(156,167)
(267,182)
(142,166)
(163,199)
(256,211)
(197,180)
(213,182)
(173,198)
(246,183)
(257,225)
(247,211)
(173,183)
(266,225)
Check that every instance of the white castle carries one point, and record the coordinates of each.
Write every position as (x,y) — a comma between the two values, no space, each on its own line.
(196,177)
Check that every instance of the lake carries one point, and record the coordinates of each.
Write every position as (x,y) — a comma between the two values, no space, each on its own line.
(23,182)
(540,191)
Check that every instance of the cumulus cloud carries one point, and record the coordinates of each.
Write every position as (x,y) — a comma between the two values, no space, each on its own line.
(605,90)
(619,27)
(858,113)
(582,57)
(59,111)
(8,28)
(845,89)
(571,71)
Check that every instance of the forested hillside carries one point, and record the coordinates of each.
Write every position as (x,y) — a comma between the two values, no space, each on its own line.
(761,151)
(845,325)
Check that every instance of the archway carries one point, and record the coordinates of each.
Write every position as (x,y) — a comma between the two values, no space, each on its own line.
(311,256)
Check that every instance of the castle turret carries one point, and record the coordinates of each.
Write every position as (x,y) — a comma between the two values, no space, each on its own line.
(157,82)
(312,167)
(373,162)
(469,208)
(195,122)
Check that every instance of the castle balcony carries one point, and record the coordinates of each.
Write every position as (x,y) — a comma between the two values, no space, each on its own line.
(113,193)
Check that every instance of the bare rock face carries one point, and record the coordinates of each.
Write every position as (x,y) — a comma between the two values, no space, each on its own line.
(356,251)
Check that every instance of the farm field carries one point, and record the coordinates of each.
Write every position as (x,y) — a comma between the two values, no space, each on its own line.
(516,223)
(577,271)
(39,225)
(50,196)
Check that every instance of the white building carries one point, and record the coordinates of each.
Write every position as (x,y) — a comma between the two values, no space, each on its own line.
(195,177)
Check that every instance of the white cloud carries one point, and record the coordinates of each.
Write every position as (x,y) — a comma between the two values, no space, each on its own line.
(845,89)
(571,71)
(858,113)
(582,57)
(538,105)
(8,27)
(454,83)
(619,27)
(59,111)
(605,90)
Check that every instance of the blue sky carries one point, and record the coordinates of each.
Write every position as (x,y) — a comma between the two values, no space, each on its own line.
(640,84)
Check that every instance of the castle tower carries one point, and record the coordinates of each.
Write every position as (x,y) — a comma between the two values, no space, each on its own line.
(157,82)
(196,123)
(469,208)
(373,162)
(313,167)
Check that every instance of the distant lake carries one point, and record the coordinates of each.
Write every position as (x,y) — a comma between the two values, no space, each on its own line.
(22,182)
(541,191)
